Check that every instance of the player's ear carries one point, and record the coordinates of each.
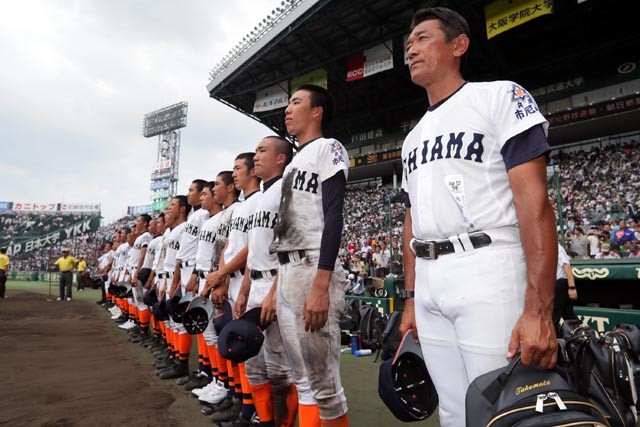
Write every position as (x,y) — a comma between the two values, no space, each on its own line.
(460,45)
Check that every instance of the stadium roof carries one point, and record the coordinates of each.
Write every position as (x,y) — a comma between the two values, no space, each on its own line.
(582,42)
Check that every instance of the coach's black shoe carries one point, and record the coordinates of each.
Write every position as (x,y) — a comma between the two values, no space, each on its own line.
(229,414)
(122,319)
(180,369)
(199,381)
(241,422)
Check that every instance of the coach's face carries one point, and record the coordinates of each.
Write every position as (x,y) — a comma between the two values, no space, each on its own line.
(299,114)
(431,56)
(266,159)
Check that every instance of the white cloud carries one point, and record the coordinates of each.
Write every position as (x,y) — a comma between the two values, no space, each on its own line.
(78,76)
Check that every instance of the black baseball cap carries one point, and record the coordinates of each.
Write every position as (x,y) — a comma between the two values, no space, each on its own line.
(242,338)
(404,383)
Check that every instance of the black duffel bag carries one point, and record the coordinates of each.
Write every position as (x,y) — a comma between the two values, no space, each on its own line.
(527,396)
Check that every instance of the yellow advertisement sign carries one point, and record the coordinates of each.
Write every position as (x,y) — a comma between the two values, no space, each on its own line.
(503,15)
(315,77)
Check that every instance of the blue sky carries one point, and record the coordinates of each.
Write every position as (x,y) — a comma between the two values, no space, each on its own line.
(78,77)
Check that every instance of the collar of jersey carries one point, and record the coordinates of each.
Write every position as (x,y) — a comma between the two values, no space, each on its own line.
(442,101)
(269,183)
(247,196)
(308,143)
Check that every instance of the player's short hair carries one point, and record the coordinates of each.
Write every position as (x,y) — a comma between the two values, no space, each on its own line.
(452,23)
(282,146)
(227,177)
(320,97)
(146,218)
(126,230)
(248,159)
(209,185)
(199,183)
(182,201)
(3,250)
(160,216)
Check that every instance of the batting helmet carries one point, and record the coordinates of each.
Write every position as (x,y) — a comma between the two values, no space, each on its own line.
(404,384)
(150,296)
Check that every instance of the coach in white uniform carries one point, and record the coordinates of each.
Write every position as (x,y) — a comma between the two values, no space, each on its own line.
(474,170)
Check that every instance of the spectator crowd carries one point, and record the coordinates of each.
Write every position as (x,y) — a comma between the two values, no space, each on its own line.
(599,195)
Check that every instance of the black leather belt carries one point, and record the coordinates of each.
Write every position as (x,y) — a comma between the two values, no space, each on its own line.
(237,273)
(160,275)
(203,274)
(185,264)
(286,258)
(432,249)
(263,274)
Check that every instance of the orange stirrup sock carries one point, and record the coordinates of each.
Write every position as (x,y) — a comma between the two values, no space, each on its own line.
(212,351)
(145,318)
(291,400)
(309,415)
(342,421)
(184,346)
(263,401)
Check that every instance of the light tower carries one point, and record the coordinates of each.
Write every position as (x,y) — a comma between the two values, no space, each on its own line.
(165,123)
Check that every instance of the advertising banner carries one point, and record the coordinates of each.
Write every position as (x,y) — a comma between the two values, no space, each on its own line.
(139,210)
(503,15)
(5,206)
(370,61)
(77,229)
(272,98)
(64,207)
(34,207)
(160,185)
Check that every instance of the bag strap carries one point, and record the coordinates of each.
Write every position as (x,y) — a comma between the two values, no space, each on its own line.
(493,390)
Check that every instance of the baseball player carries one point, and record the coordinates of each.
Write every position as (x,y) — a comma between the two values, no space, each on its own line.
(104,265)
(269,373)
(125,276)
(175,218)
(186,258)
(232,265)
(137,277)
(226,194)
(477,286)
(311,281)
(202,261)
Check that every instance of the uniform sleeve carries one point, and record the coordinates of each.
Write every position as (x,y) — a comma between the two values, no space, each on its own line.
(515,111)
(333,158)
(525,146)
(333,191)
(563,258)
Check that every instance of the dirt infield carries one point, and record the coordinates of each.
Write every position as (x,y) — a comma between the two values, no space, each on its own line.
(64,364)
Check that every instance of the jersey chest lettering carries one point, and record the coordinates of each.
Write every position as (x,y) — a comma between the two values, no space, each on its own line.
(265,219)
(305,181)
(191,229)
(173,244)
(458,146)
(208,236)
(240,224)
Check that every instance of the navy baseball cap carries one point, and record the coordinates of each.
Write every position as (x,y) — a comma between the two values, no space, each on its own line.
(150,296)
(404,383)
(222,316)
(242,338)
(160,310)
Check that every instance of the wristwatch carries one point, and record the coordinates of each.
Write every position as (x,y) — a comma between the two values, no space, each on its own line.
(404,294)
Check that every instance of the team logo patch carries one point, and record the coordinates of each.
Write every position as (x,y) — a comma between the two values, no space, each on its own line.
(524,103)
(336,149)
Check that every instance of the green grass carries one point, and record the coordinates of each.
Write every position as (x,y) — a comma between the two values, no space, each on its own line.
(359,374)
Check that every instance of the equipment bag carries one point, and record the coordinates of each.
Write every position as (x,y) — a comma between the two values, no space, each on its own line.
(603,370)
(372,324)
(527,396)
(350,319)
(391,336)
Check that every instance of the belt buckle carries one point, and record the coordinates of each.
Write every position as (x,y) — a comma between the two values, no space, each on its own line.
(431,250)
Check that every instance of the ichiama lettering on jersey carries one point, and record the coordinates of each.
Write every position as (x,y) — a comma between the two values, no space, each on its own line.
(173,244)
(239,223)
(264,219)
(458,144)
(191,229)
(208,236)
(312,182)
